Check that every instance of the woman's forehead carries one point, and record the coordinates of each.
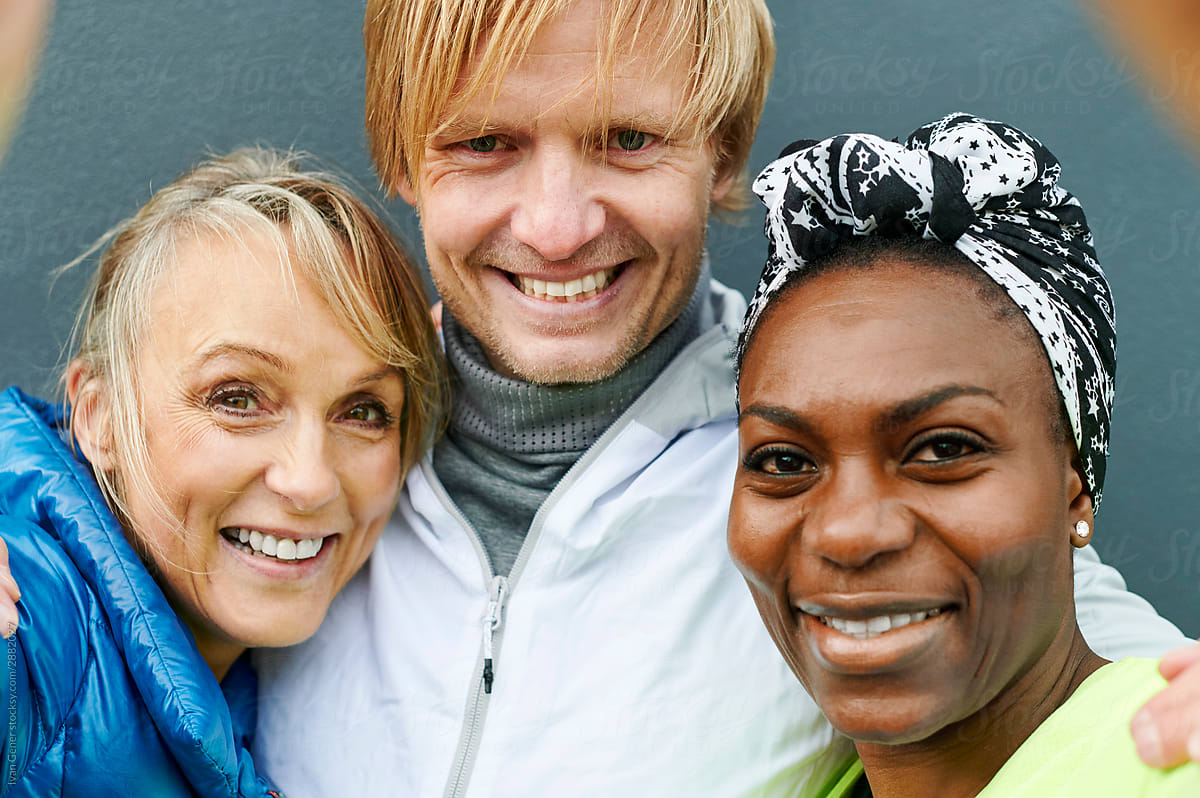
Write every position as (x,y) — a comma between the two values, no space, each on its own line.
(889,331)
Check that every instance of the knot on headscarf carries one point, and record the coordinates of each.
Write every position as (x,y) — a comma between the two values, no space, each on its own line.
(987,189)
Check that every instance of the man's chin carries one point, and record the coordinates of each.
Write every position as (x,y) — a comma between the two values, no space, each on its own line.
(562,372)
(581,362)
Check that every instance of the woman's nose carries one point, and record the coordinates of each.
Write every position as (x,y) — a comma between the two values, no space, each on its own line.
(302,471)
(852,519)
(556,212)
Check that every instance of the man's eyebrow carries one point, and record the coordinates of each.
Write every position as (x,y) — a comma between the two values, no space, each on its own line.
(914,408)
(462,128)
(649,121)
(235,350)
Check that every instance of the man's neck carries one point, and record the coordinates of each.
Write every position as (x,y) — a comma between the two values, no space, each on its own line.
(960,759)
(510,442)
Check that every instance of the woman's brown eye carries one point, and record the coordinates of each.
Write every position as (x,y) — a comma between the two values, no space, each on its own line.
(783,464)
(777,463)
(235,400)
(364,413)
(945,449)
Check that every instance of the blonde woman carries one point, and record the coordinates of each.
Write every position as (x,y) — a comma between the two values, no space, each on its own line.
(256,371)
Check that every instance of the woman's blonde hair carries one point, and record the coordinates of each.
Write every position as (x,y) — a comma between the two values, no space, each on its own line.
(339,244)
(417,49)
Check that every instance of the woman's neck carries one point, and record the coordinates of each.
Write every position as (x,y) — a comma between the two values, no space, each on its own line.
(959,760)
(219,654)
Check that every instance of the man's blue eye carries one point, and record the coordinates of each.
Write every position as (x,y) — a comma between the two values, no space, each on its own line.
(483,143)
(631,140)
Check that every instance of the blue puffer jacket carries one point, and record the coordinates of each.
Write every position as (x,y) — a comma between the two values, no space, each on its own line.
(104,692)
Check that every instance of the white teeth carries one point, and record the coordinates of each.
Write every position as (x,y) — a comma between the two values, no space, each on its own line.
(286,550)
(584,287)
(856,628)
(254,542)
(872,627)
(308,547)
(878,625)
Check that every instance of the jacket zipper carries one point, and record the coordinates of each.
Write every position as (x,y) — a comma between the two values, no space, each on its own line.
(479,698)
(491,622)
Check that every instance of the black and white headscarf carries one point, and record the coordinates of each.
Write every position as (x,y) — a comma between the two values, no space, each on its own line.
(992,192)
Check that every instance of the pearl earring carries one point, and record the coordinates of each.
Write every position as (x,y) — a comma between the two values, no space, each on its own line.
(1082,530)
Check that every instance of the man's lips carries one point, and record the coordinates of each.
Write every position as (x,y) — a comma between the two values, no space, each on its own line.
(576,289)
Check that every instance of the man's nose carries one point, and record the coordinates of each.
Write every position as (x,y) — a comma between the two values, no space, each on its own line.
(852,519)
(302,470)
(557,211)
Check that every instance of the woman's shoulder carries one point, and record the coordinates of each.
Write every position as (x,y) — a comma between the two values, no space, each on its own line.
(48,658)
(1085,747)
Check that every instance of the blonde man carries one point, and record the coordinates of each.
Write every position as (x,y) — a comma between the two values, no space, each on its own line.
(552,611)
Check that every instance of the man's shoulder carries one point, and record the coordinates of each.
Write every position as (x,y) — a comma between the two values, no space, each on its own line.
(696,388)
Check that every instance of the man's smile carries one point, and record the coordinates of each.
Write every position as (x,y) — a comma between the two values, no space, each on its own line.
(574,290)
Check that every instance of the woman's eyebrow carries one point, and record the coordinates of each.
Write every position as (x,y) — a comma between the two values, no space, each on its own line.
(234,349)
(777,415)
(913,408)
(376,376)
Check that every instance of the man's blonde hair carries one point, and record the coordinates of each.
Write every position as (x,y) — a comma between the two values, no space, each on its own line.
(417,49)
(370,284)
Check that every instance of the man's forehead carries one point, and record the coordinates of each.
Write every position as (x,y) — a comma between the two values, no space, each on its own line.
(565,69)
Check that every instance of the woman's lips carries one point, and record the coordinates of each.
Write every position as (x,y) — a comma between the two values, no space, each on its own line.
(286,551)
(862,639)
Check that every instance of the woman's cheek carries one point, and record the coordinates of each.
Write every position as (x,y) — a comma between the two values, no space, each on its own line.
(756,543)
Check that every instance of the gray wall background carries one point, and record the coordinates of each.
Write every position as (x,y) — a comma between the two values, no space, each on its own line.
(133,91)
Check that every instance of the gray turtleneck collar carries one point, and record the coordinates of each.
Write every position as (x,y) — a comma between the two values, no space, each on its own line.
(509,442)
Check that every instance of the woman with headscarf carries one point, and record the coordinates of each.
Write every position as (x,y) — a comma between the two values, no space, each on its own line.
(925,387)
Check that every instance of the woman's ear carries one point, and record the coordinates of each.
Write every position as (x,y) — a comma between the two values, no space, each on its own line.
(1081,511)
(90,420)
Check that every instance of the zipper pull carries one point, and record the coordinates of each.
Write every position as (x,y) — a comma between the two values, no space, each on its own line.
(491,622)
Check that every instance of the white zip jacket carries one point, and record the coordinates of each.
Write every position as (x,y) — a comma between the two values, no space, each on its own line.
(624,654)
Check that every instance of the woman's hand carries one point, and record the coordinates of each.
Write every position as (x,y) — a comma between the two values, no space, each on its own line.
(1167,729)
(10,594)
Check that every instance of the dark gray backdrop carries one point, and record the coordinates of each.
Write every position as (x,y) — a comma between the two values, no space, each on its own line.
(132,91)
